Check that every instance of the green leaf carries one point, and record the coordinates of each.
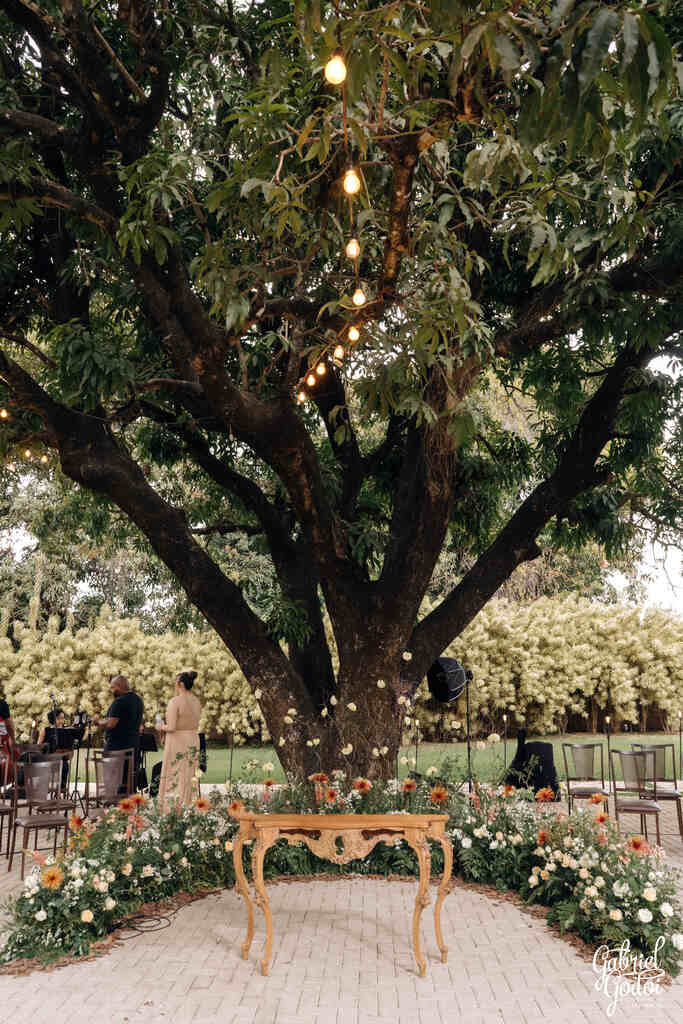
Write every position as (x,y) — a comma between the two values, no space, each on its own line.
(600,35)
(559,12)
(631,34)
(507,51)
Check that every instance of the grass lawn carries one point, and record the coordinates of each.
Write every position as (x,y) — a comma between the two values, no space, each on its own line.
(487,764)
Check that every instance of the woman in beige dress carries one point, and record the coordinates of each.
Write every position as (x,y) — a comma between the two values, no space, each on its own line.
(178,784)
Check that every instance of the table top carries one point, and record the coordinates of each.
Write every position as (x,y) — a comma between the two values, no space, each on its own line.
(341,821)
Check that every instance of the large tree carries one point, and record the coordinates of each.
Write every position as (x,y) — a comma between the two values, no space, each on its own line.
(176,301)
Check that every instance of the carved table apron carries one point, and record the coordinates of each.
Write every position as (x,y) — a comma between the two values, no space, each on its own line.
(360,833)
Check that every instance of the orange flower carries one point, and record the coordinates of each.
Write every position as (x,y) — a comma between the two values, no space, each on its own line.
(202,804)
(235,808)
(38,858)
(508,790)
(409,786)
(638,845)
(596,798)
(439,795)
(362,785)
(126,805)
(318,777)
(602,838)
(268,783)
(600,818)
(52,878)
(75,823)
(543,837)
(545,795)
(330,795)
(138,799)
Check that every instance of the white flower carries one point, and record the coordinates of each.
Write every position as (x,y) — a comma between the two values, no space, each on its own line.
(316,742)
(257,694)
(584,873)
(348,749)
(323,713)
(109,903)
(267,767)
(499,836)
(600,904)
(309,743)
(677,940)
(77,883)
(666,910)
(333,700)
(126,869)
(402,700)
(403,759)
(466,842)
(288,720)
(281,742)
(184,862)
(599,881)
(86,916)
(533,881)
(384,750)
(148,870)
(616,915)
(644,915)
(407,720)
(407,656)
(291,711)
(493,738)
(375,751)
(351,706)
(650,894)
(380,684)
(432,770)
(40,915)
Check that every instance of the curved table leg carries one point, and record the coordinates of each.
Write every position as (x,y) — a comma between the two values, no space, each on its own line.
(243,889)
(447,847)
(421,847)
(264,840)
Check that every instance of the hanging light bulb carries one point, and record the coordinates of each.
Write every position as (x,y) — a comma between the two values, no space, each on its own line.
(353,249)
(27,453)
(358,297)
(310,380)
(339,351)
(3,414)
(351,182)
(354,334)
(43,459)
(321,369)
(301,396)
(335,70)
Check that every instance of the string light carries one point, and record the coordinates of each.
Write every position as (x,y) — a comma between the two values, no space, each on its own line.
(321,369)
(339,351)
(310,380)
(335,70)
(3,414)
(354,334)
(358,297)
(301,396)
(27,453)
(351,182)
(353,249)
(43,459)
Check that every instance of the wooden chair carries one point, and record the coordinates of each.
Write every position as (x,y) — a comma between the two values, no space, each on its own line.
(668,786)
(6,779)
(638,794)
(584,778)
(41,779)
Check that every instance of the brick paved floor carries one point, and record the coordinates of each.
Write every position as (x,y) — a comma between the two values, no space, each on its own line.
(341,955)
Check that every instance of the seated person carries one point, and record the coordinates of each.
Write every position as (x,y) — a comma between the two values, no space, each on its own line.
(49,738)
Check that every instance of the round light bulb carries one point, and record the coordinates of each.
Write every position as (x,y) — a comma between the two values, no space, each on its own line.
(321,369)
(359,297)
(351,182)
(310,380)
(301,396)
(354,334)
(338,352)
(608,719)
(353,249)
(43,459)
(27,453)
(3,414)
(335,70)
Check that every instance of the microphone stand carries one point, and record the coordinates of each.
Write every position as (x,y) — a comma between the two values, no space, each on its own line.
(75,795)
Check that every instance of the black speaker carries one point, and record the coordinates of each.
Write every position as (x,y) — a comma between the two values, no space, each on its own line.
(446,679)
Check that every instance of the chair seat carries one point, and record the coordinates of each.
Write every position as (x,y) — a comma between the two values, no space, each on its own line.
(639,806)
(41,821)
(667,791)
(587,788)
(54,805)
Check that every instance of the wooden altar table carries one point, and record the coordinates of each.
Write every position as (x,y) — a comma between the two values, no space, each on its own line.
(341,838)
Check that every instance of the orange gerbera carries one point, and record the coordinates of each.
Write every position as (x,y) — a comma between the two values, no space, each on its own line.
(600,818)
(138,800)
(318,777)
(508,790)
(235,808)
(52,877)
(362,785)
(75,823)
(638,845)
(409,786)
(596,798)
(268,783)
(545,795)
(330,795)
(439,795)
(126,805)
(202,804)
(543,837)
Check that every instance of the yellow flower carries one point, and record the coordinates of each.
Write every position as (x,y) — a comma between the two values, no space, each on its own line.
(127,868)
(86,916)
(52,878)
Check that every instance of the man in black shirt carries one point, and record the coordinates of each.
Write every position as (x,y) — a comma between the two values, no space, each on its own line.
(124,718)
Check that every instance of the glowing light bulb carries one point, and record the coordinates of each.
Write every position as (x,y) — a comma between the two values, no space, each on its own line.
(27,453)
(321,369)
(43,459)
(3,414)
(354,334)
(353,249)
(358,297)
(351,182)
(301,396)
(310,380)
(335,70)
(339,352)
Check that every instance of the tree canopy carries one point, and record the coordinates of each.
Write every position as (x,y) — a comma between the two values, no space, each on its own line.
(187,339)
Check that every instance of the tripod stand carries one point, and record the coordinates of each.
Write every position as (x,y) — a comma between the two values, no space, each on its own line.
(75,795)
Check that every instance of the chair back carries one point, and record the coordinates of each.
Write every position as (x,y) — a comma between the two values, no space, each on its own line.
(108,778)
(6,777)
(42,781)
(637,771)
(581,762)
(127,758)
(660,751)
